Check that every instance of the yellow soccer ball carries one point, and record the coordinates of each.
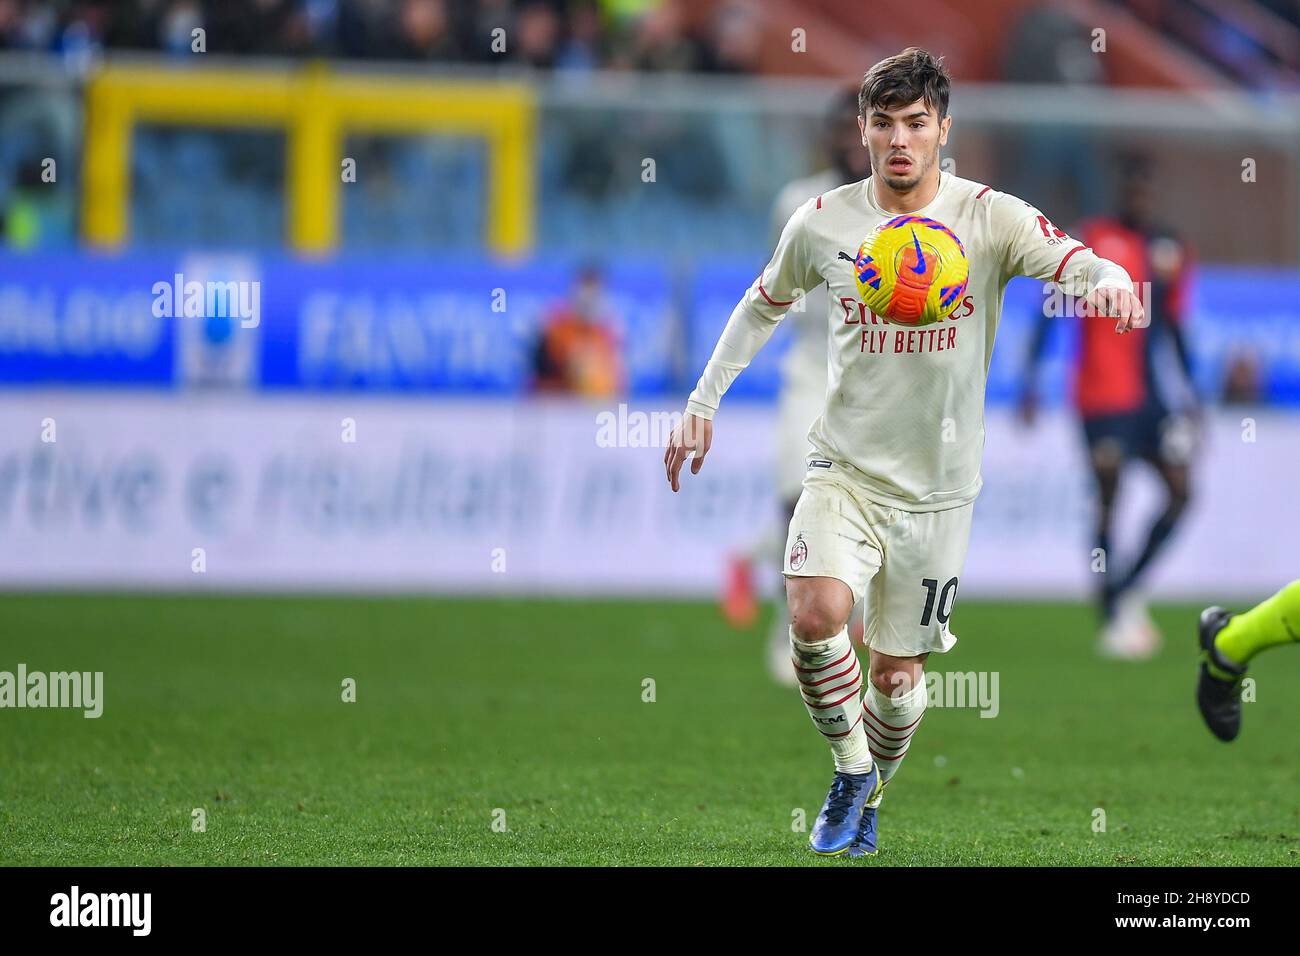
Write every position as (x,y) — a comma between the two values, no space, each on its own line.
(912,270)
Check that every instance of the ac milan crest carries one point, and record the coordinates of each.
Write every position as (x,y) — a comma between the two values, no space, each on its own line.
(798,554)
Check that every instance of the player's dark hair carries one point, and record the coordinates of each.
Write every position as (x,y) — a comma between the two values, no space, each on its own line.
(905,78)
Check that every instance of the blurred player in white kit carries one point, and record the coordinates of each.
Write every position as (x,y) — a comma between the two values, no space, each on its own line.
(803,388)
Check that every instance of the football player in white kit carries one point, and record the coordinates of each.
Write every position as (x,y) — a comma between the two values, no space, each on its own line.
(885,510)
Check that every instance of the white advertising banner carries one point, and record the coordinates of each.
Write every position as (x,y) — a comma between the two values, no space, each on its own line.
(232,491)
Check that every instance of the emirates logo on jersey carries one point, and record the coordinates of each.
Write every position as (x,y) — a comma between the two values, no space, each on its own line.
(798,554)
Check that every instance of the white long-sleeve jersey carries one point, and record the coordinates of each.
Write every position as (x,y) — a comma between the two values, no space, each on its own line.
(904,413)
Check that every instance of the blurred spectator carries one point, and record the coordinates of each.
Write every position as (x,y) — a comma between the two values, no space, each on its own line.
(577,353)
(11,24)
(1241,384)
(263,27)
(1049,45)
(26,26)
(28,209)
(423,32)
(175,31)
(737,39)
(660,41)
(583,49)
(537,35)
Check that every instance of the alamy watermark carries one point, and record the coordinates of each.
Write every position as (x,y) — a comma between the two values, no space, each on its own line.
(75,908)
(635,429)
(241,299)
(77,690)
(978,690)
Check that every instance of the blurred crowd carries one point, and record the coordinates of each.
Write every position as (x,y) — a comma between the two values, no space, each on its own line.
(555,34)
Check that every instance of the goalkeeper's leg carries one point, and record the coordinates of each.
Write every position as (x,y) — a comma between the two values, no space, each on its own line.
(1228,642)
(1268,624)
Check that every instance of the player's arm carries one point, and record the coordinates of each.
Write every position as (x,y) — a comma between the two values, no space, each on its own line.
(1033,246)
(788,276)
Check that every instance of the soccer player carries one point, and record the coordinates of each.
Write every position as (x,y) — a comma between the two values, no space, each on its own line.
(1125,389)
(803,378)
(893,473)
(1228,642)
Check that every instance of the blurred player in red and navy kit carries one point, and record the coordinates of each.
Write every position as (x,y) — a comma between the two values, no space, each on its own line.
(1134,394)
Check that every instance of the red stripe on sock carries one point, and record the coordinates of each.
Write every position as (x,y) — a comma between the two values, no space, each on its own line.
(884,736)
(846,733)
(825,680)
(814,670)
(833,703)
(856,684)
(891,726)
(887,757)
(884,746)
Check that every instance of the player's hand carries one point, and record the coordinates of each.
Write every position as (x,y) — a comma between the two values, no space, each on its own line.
(694,434)
(1119,304)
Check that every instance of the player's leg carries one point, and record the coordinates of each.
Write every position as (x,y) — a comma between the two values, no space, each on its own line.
(1106,458)
(827,565)
(893,708)
(830,682)
(1168,454)
(909,605)
(1127,631)
(800,401)
(779,664)
(1270,623)
(1228,642)
(890,719)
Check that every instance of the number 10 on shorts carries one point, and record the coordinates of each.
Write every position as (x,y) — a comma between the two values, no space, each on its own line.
(946,599)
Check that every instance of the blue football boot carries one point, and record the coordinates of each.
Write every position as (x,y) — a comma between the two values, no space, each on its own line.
(837,825)
(865,842)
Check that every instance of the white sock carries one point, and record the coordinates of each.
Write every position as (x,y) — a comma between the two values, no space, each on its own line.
(890,723)
(830,681)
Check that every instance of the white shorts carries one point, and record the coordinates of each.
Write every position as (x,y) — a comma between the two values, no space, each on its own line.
(905,564)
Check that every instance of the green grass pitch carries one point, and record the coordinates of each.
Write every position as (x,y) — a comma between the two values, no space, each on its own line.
(531,713)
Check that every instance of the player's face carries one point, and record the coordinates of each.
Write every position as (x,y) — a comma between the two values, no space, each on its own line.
(904,144)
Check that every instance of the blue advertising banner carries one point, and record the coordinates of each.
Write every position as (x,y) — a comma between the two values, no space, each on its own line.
(384,325)
(72,319)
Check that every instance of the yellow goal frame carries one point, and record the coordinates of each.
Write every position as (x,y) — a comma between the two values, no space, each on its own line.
(317,108)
